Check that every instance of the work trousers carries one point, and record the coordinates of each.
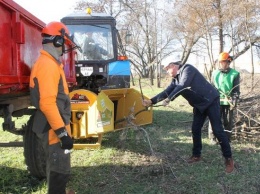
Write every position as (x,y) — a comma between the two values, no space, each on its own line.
(57,165)
(227,119)
(213,113)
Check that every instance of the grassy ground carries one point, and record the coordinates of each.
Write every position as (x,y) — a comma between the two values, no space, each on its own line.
(150,160)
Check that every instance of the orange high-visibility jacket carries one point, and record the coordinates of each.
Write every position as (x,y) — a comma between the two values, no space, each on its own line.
(49,93)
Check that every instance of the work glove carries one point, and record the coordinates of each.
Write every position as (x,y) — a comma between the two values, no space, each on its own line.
(166,102)
(66,140)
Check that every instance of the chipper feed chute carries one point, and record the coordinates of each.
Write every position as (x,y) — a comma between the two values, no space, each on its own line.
(110,110)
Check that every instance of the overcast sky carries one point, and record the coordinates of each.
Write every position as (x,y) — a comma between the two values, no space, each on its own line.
(48,10)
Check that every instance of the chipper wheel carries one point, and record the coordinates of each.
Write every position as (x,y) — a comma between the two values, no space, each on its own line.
(33,152)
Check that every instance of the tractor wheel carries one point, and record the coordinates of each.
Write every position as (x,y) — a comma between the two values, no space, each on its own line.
(33,152)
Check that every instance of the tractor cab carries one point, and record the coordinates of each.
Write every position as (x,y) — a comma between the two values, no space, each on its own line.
(96,64)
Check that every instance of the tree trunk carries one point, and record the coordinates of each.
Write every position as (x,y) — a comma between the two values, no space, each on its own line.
(151,76)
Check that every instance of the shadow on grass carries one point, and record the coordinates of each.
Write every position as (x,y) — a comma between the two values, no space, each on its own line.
(15,180)
(167,128)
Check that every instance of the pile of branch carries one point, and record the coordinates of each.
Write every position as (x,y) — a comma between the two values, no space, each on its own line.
(247,117)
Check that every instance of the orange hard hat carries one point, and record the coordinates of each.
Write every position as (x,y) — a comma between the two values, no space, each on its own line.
(224,56)
(57,29)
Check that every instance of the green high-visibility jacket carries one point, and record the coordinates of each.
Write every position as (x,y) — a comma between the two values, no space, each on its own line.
(227,84)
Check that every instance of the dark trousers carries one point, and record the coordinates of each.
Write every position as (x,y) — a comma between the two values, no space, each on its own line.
(213,112)
(227,118)
(57,165)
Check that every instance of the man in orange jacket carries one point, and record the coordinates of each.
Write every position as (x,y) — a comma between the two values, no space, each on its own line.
(49,94)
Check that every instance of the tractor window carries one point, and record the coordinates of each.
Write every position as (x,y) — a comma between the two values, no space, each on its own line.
(95,41)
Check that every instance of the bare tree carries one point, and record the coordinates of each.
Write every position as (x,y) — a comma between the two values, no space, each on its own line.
(220,21)
(147,50)
(238,23)
(194,28)
(185,27)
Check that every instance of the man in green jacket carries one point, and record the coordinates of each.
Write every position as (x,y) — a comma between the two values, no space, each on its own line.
(227,81)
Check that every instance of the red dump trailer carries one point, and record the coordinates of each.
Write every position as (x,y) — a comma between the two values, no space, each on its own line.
(20,42)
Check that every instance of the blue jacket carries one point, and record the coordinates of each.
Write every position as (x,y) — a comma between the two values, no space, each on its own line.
(191,84)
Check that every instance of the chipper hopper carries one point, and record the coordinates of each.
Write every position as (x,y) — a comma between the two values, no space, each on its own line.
(110,110)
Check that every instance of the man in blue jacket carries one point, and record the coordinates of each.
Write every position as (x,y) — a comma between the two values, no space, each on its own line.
(204,98)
